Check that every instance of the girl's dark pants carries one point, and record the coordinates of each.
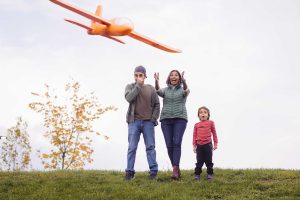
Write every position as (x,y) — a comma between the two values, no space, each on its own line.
(204,155)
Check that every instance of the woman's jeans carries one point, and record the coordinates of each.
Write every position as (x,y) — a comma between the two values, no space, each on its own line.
(146,127)
(173,130)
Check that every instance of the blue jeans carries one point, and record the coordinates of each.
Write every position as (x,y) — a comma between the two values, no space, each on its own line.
(173,130)
(134,132)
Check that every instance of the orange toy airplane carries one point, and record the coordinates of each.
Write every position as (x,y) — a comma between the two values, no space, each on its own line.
(110,28)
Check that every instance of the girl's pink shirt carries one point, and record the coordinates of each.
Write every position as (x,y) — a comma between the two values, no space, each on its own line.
(203,131)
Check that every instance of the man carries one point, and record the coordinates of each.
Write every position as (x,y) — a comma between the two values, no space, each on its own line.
(142,116)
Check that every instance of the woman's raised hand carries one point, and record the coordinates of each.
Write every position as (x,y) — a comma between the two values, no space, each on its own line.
(182,76)
(156,76)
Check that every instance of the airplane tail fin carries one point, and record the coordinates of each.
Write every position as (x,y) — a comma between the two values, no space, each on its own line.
(97,13)
(98,10)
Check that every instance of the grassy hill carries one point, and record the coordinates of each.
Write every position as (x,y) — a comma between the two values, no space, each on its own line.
(89,185)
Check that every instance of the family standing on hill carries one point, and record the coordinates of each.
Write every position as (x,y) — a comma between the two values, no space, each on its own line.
(142,116)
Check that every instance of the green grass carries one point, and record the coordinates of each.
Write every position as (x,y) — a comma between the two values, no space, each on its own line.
(89,185)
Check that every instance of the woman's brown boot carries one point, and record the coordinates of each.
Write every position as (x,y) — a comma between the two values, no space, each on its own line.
(175,174)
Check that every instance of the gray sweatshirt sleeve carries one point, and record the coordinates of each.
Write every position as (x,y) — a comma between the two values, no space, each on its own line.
(156,108)
(161,92)
(131,91)
(186,92)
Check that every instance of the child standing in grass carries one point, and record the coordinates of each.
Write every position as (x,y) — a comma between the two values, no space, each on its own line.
(202,143)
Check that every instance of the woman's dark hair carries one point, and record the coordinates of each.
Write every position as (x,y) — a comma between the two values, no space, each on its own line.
(168,79)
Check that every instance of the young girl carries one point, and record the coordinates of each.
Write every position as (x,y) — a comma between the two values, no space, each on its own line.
(202,143)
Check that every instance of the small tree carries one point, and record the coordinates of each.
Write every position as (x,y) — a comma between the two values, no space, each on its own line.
(16,148)
(68,123)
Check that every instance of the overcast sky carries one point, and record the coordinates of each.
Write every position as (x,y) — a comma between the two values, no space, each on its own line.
(240,57)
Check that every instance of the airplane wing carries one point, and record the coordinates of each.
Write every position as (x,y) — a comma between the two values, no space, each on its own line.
(81,12)
(153,43)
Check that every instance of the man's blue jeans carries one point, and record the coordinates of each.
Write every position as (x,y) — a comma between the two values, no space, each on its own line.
(146,127)
(173,130)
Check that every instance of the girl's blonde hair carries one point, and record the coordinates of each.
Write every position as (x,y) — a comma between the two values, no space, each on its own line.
(205,108)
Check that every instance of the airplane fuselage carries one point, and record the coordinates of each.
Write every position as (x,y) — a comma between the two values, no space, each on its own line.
(112,30)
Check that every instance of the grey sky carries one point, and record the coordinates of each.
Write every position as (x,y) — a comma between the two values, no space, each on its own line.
(240,59)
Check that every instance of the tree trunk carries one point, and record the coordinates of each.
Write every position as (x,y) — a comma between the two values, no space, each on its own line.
(63,160)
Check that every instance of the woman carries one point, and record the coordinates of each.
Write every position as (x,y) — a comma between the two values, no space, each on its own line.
(173,116)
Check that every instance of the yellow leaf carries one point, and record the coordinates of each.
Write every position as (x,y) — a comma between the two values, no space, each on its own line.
(45,156)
